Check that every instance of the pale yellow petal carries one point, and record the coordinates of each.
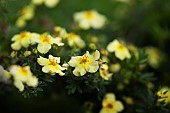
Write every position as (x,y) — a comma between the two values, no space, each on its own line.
(16,45)
(46,69)
(42,61)
(25,43)
(74,61)
(112,45)
(84,24)
(34,38)
(37,2)
(98,22)
(79,71)
(15,38)
(51,3)
(18,84)
(93,67)
(57,41)
(21,22)
(110,96)
(43,48)
(96,55)
(32,81)
(119,106)
(61,73)
(78,16)
(107,110)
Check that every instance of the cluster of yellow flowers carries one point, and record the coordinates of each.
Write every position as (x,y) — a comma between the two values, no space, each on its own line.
(44,41)
(86,63)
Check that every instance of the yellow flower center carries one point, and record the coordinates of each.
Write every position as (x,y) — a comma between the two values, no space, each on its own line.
(120,47)
(52,62)
(110,105)
(104,73)
(24,11)
(72,36)
(24,35)
(89,15)
(45,39)
(24,71)
(84,60)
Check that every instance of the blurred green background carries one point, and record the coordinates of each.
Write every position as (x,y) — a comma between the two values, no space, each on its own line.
(140,22)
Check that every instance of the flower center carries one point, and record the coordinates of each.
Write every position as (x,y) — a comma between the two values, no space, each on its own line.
(45,39)
(89,15)
(24,35)
(84,59)
(52,62)
(104,72)
(24,11)
(23,71)
(120,47)
(110,106)
(71,36)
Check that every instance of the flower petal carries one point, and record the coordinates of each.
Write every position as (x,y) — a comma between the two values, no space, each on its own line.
(43,48)
(32,81)
(46,69)
(118,106)
(112,45)
(42,61)
(93,67)
(79,71)
(16,45)
(96,55)
(19,85)
(74,61)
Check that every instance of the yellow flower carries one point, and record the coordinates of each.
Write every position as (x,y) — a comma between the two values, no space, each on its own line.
(60,32)
(91,18)
(164,95)
(51,65)
(23,75)
(21,22)
(48,3)
(120,50)
(45,41)
(24,39)
(27,13)
(111,105)
(154,56)
(21,40)
(4,75)
(104,72)
(75,40)
(85,63)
